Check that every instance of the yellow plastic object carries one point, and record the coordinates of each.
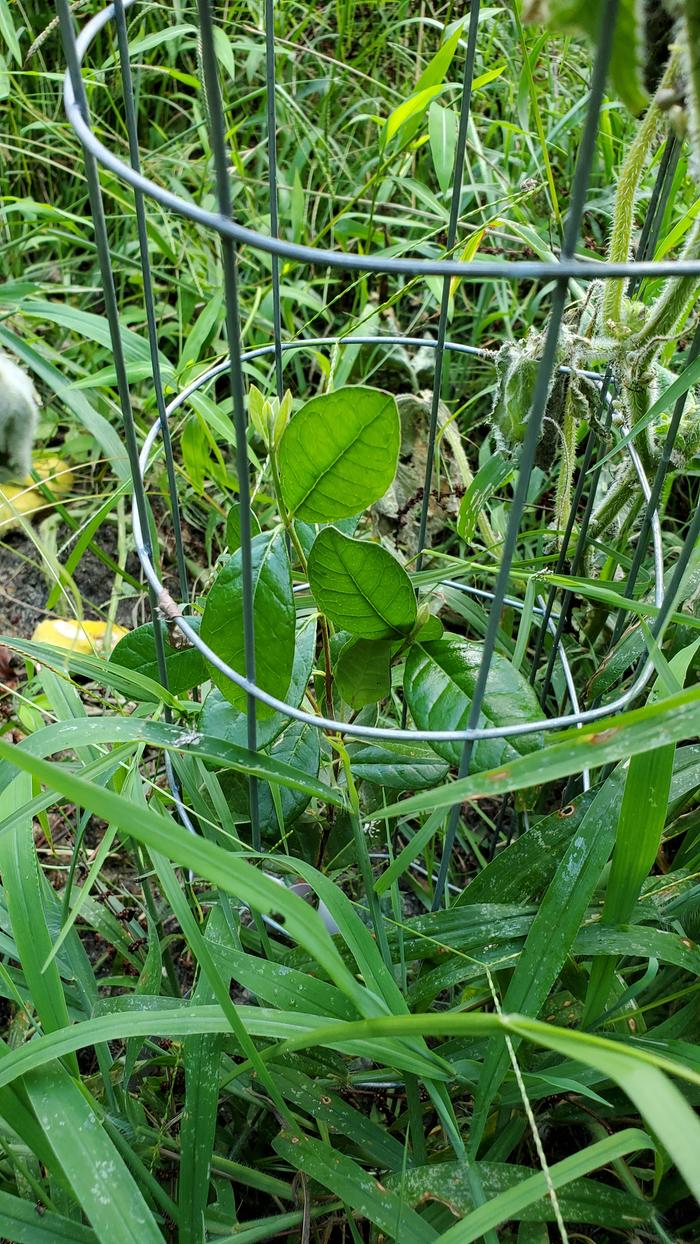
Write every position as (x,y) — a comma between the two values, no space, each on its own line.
(25,499)
(86,638)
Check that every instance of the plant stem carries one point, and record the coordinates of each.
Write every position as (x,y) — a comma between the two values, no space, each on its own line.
(670,307)
(562,504)
(293,536)
(619,494)
(282,509)
(623,211)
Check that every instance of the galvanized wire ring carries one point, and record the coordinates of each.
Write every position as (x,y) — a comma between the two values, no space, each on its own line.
(353,729)
(556,273)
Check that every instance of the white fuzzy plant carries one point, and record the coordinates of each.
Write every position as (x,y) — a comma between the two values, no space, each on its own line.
(19,415)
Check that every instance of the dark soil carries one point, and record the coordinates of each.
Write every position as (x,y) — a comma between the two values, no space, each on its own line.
(25,585)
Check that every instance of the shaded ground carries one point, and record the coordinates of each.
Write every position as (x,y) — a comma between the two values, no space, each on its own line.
(25,585)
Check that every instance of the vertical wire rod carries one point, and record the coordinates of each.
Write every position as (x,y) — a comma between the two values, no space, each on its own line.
(134,156)
(272,184)
(111,307)
(657,204)
(217,132)
(460,153)
(539,401)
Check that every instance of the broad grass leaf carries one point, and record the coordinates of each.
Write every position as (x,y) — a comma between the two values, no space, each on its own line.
(21,1221)
(222,620)
(92,327)
(361,587)
(337,1172)
(279,985)
(130,683)
(407,115)
(162,834)
(99,1179)
(443,124)
(372,1140)
(487,480)
(642,818)
(8,32)
(23,896)
(439,684)
(108,729)
(525,868)
(554,930)
(130,1016)
(640,1073)
(339,453)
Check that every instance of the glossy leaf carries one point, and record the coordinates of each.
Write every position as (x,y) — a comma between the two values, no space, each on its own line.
(361,587)
(439,683)
(233,528)
(221,720)
(443,124)
(299,747)
(339,453)
(222,620)
(398,766)
(185,666)
(362,671)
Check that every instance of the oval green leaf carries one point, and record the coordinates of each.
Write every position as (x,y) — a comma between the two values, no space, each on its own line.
(185,666)
(223,721)
(400,766)
(222,620)
(362,671)
(339,454)
(439,685)
(361,587)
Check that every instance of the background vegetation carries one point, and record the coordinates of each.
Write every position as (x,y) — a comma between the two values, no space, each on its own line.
(522,1066)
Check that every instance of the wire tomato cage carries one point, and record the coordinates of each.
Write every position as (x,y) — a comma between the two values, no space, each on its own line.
(554,275)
